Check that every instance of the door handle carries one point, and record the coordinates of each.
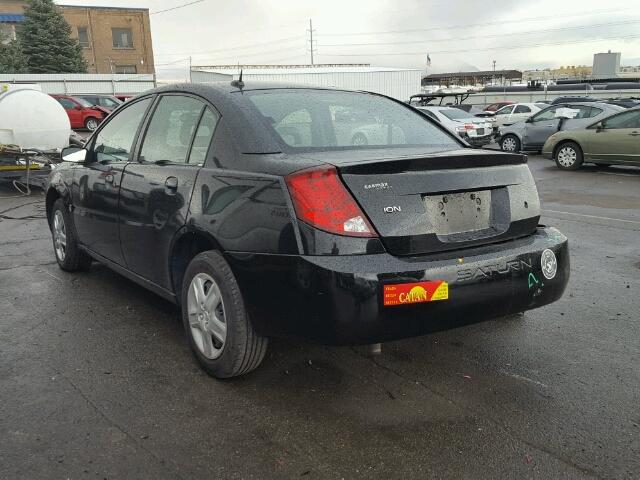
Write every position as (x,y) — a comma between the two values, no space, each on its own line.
(634,134)
(171,184)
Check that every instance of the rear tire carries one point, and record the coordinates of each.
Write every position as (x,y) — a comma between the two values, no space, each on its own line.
(568,156)
(65,241)
(216,322)
(510,143)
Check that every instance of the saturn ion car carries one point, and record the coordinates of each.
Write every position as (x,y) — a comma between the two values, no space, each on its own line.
(612,140)
(250,208)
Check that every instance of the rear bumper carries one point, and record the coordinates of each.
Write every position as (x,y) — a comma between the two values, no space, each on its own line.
(339,299)
(478,141)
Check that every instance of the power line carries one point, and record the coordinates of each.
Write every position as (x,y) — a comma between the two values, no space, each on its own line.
(454,27)
(514,47)
(480,37)
(244,47)
(176,7)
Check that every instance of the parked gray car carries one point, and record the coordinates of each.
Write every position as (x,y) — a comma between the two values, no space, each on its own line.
(533,133)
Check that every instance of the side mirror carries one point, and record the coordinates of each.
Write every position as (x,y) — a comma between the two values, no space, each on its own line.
(600,126)
(74,154)
(77,107)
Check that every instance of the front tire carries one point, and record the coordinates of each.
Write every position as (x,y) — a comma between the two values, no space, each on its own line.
(65,242)
(91,124)
(510,143)
(568,156)
(216,322)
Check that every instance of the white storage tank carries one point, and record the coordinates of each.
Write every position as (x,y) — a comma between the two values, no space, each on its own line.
(32,119)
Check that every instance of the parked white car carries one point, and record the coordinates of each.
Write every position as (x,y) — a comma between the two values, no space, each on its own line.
(517,112)
(475,130)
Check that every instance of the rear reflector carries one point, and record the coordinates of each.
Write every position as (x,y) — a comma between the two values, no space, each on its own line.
(321,200)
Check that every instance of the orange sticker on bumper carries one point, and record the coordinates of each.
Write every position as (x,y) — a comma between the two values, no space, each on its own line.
(418,292)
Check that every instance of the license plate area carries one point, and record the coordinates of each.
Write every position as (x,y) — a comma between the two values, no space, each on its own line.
(453,213)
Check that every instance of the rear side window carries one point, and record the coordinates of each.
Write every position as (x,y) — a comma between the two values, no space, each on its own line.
(321,120)
(115,140)
(595,111)
(171,129)
(203,137)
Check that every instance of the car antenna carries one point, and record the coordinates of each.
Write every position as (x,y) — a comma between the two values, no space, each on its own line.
(238,83)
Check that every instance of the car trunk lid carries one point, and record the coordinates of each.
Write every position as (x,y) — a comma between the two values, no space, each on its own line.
(443,200)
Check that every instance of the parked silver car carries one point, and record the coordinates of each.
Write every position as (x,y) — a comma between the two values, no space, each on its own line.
(532,133)
(475,130)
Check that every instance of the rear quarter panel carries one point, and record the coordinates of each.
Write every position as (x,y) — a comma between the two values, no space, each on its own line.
(243,212)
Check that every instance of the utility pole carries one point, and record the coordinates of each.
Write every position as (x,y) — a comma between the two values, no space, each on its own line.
(190,76)
(311,38)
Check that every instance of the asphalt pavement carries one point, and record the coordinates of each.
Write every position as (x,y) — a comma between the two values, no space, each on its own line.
(96,379)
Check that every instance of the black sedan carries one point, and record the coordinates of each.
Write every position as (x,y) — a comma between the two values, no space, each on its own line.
(264,210)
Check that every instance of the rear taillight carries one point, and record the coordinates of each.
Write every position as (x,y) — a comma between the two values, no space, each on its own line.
(321,200)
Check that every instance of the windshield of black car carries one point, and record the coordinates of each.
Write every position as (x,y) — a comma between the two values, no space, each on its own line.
(308,119)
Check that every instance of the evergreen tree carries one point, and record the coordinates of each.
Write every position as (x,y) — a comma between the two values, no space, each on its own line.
(12,59)
(45,38)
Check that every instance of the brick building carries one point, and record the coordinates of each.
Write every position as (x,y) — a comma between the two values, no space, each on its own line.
(113,40)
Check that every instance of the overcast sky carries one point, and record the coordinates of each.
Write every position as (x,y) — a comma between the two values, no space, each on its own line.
(457,34)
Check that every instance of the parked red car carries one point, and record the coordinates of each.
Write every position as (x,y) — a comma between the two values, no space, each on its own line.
(494,107)
(81,113)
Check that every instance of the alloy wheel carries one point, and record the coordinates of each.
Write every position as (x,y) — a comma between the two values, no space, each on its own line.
(509,144)
(567,156)
(207,315)
(59,235)
(92,124)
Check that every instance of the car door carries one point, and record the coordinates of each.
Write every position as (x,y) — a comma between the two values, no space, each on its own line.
(74,111)
(617,139)
(156,189)
(96,185)
(540,126)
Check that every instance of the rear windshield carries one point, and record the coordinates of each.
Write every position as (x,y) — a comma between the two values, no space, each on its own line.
(321,120)
(454,113)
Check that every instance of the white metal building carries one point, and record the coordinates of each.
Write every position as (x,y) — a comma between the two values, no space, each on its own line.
(395,82)
(79,83)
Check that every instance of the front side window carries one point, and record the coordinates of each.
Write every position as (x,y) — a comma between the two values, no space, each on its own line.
(66,103)
(114,141)
(321,120)
(171,129)
(522,109)
(623,120)
(550,113)
(122,37)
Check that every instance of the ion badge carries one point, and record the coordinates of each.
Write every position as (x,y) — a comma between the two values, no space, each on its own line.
(419,292)
(549,264)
